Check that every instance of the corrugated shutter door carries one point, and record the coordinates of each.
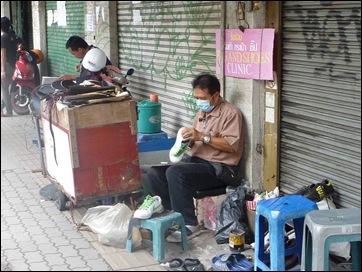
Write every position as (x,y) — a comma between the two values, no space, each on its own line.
(321,97)
(60,61)
(168,43)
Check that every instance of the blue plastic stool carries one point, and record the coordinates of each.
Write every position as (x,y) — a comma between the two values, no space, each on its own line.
(325,227)
(158,226)
(277,212)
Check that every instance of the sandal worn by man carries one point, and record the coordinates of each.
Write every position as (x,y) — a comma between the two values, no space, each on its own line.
(231,262)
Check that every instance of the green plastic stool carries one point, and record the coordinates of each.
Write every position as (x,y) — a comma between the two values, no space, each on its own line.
(158,227)
(325,227)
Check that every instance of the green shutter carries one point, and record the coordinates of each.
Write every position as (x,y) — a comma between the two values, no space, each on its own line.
(60,61)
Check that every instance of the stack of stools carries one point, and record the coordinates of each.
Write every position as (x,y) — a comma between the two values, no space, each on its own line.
(158,226)
(325,227)
(276,212)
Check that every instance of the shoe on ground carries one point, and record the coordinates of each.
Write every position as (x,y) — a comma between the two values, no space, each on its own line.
(315,192)
(328,187)
(179,148)
(151,205)
(176,236)
(303,190)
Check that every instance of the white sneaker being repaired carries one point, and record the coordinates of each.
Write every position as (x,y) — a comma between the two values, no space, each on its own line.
(179,148)
(151,205)
(176,236)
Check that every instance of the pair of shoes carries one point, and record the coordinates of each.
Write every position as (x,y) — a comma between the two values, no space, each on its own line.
(316,192)
(179,148)
(188,264)
(176,236)
(231,262)
(151,205)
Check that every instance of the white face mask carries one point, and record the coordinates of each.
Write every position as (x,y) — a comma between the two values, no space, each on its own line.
(204,105)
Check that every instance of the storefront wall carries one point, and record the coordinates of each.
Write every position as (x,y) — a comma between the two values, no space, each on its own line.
(321,97)
(168,44)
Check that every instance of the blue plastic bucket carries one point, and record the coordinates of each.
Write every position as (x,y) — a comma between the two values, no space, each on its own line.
(149,117)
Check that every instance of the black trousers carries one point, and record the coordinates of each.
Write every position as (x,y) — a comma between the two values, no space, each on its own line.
(176,184)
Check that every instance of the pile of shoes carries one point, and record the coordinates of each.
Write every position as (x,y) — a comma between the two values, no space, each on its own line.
(188,264)
(316,192)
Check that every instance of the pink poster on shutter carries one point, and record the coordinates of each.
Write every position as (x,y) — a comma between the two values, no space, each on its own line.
(248,54)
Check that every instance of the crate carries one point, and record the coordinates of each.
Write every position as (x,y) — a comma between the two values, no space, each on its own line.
(91,150)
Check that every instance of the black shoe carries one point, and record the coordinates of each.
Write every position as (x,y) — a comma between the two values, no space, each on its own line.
(315,192)
(303,190)
(328,187)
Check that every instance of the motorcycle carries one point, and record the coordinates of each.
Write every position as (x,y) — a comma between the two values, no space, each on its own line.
(114,76)
(25,79)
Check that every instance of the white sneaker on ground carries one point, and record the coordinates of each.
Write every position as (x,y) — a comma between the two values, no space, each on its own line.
(176,236)
(151,205)
(179,148)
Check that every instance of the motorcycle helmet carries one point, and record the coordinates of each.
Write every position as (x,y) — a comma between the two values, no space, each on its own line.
(39,55)
(95,60)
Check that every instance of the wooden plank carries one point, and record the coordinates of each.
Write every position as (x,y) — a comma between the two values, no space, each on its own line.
(96,115)
(73,139)
(133,121)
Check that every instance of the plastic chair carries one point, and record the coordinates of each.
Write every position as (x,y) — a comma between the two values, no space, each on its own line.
(158,227)
(277,212)
(324,227)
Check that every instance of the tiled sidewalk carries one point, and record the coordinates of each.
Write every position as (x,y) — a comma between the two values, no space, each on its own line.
(35,235)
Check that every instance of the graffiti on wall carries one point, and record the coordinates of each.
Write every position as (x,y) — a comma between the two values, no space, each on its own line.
(329,37)
(173,42)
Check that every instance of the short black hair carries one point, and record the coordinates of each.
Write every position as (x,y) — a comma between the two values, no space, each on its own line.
(207,81)
(5,24)
(75,42)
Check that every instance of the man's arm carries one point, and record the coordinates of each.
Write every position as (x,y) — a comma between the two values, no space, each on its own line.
(218,143)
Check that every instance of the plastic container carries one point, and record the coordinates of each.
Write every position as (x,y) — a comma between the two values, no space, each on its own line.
(149,117)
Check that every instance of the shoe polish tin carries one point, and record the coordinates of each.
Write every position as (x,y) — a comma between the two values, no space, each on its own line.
(237,240)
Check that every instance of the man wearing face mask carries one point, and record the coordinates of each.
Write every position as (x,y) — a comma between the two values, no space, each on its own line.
(216,147)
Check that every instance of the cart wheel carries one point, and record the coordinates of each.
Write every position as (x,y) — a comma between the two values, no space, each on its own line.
(61,201)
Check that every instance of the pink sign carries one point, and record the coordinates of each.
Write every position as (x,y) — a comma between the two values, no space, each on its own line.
(248,54)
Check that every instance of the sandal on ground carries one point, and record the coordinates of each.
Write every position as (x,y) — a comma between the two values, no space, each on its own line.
(231,262)
(175,265)
(193,265)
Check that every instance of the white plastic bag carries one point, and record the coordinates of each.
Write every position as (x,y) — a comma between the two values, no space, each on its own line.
(110,223)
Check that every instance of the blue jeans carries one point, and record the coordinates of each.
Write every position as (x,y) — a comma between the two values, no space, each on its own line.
(176,184)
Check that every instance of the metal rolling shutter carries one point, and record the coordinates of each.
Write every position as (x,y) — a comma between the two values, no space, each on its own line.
(321,97)
(59,60)
(174,41)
